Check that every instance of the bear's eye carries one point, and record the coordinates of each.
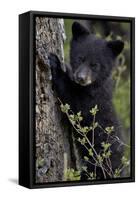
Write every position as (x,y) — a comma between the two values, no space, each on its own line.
(95,66)
(81,59)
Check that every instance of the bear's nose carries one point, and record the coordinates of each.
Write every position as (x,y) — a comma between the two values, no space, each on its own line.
(81,77)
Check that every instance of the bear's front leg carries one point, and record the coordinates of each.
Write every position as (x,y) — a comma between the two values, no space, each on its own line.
(61,80)
(55,66)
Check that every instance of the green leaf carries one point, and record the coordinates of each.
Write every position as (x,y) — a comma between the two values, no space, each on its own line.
(71,117)
(109,129)
(100,159)
(79,140)
(86,158)
(107,154)
(117,173)
(65,108)
(72,175)
(90,152)
(82,141)
(85,129)
(94,110)
(105,146)
(84,168)
(95,125)
(40,162)
(92,175)
(125,161)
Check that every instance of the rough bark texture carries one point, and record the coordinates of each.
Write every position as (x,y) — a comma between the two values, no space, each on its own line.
(53,153)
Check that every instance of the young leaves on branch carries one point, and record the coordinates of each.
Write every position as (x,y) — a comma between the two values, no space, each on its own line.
(98,159)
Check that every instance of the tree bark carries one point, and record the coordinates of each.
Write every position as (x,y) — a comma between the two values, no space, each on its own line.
(53,151)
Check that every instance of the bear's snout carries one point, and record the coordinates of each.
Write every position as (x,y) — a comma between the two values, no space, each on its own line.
(83,76)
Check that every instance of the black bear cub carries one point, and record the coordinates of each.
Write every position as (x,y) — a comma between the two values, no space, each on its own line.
(88,82)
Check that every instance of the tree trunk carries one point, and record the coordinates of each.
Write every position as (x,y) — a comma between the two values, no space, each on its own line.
(53,153)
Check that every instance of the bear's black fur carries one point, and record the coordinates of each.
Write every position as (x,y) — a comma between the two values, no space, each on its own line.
(88,82)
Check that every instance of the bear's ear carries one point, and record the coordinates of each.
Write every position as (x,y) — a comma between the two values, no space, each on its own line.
(79,30)
(116,46)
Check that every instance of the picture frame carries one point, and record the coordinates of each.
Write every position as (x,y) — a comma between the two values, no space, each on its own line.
(33,158)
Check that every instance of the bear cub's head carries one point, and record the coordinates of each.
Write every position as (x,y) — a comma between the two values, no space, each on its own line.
(91,58)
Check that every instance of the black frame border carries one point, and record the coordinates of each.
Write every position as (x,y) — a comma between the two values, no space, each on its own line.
(31,103)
